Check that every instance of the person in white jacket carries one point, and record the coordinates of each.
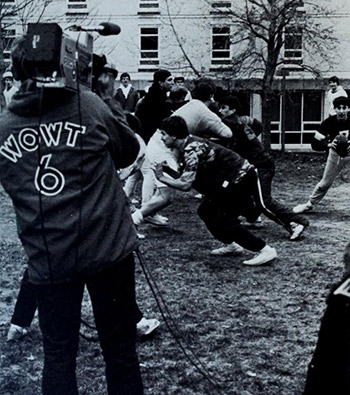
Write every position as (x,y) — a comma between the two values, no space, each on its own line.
(336,90)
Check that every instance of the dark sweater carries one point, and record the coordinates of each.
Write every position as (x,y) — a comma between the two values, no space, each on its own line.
(246,144)
(152,110)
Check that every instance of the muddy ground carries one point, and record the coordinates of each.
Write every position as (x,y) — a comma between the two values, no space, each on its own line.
(248,330)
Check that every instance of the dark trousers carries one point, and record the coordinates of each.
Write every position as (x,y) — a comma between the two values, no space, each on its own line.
(26,303)
(220,212)
(112,293)
(273,209)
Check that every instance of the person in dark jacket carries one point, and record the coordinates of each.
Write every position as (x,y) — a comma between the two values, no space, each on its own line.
(329,369)
(126,95)
(332,136)
(59,155)
(26,305)
(154,106)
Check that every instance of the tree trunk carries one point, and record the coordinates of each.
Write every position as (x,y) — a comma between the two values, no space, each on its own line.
(2,69)
(266,119)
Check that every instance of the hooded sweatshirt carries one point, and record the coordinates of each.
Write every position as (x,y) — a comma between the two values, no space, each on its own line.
(72,215)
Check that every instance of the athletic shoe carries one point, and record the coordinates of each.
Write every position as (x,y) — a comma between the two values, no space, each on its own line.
(156,220)
(302,208)
(16,332)
(141,236)
(146,326)
(161,217)
(265,255)
(255,225)
(137,217)
(298,230)
(228,249)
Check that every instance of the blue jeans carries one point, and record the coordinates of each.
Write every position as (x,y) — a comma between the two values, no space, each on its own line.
(112,293)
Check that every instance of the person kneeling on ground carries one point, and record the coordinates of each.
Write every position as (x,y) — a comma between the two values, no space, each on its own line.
(226,181)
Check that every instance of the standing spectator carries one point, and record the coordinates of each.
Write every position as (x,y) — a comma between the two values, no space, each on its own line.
(126,94)
(61,192)
(9,88)
(179,82)
(335,91)
(154,107)
(332,136)
(26,301)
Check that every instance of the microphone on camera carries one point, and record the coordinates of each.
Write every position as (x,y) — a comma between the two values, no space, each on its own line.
(104,29)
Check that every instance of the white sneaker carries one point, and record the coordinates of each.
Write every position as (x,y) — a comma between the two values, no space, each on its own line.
(228,249)
(161,217)
(156,220)
(298,230)
(16,332)
(302,208)
(146,326)
(137,217)
(265,255)
(256,225)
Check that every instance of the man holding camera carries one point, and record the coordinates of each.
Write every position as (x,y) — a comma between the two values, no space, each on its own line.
(333,135)
(59,151)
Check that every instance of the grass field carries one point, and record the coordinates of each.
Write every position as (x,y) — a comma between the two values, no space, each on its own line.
(250,330)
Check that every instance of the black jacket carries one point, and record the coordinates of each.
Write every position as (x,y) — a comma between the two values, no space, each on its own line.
(72,213)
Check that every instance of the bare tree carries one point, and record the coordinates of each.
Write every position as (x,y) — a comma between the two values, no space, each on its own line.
(260,36)
(179,41)
(258,40)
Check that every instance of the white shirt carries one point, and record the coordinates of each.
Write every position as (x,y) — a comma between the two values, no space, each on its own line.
(125,90)
(201,121)
(9,93)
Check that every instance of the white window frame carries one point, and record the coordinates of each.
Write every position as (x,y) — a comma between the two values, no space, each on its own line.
(6,4)
(144,58)
(77,7)
(218,34)
(221,5)
(290,53)
(153,4)
(7,46)
(149,7)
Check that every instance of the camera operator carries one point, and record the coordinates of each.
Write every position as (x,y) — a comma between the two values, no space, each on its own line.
(59,151)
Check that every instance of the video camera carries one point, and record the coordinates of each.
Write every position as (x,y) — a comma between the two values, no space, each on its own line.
(58,59)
